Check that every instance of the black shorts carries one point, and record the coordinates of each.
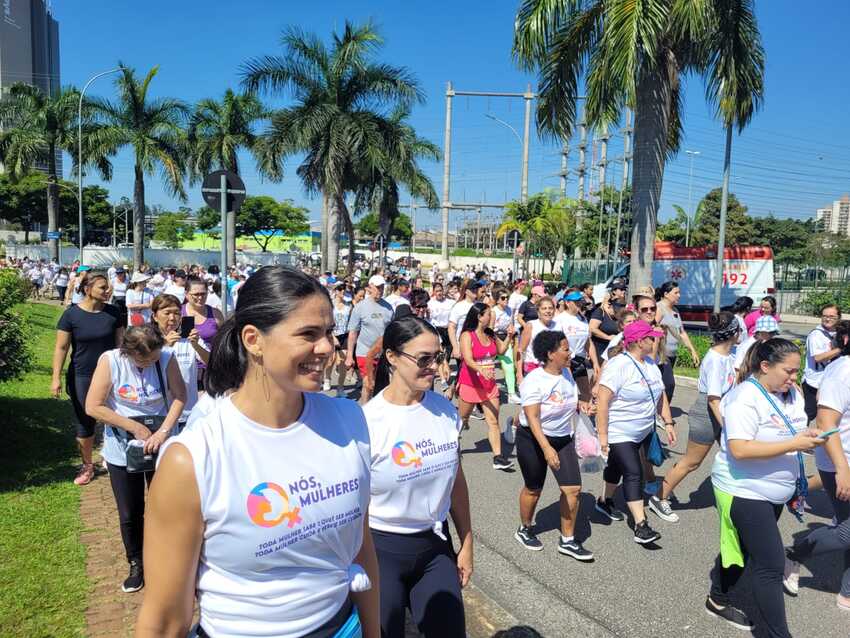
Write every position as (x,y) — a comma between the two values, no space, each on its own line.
(444,339)
(77,388)
(533,464)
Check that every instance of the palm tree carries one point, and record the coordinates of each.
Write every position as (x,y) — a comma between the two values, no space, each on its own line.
(217,132)
(635,54)
(34,129)
(342,98)
(153,128)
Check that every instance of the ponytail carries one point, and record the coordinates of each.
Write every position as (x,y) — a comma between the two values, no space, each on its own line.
(382,373)
(842,337)
(228,363)
(772,351)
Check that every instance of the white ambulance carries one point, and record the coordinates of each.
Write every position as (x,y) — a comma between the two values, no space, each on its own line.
(747,271)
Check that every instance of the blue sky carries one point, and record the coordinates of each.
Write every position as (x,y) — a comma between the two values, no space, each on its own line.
(792,159)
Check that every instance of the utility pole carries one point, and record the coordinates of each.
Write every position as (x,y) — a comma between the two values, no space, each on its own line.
(603,156)
(627,138)
(528,96)
(724,201)
(690,154)
(447,164)
(478,233)
(114,226)
(565,154)
(582,160)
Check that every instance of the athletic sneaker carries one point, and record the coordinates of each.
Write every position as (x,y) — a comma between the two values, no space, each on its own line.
(477,413)
(528,539)
(607,507)
(326,385)
(730,614)
(502,463)
(510,431)
(574,548)
(514,398)
(136,580)
(843,602)
(663,509)
(791,576)
(85,475)
(644,534)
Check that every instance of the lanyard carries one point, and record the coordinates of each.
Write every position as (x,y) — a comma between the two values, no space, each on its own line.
(797,503)
(648,384)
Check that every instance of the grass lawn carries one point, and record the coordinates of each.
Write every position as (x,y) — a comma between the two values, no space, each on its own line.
(43,585)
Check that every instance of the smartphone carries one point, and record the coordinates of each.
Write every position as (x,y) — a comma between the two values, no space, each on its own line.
(187,324)
(828,433)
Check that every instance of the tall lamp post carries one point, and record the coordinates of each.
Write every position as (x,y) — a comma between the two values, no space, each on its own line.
(80,153)
(691,154)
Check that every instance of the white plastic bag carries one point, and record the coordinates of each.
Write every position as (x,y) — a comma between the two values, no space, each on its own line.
(588,449)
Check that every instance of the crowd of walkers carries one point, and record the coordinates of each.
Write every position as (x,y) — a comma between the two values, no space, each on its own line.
(289,512)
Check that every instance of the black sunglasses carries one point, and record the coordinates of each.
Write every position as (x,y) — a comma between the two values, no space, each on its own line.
(426,360)
(648,308)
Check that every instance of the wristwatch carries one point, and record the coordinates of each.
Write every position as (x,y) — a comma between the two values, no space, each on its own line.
(671,423)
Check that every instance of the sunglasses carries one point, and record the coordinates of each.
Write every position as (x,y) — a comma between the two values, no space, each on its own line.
(503,298)
(648,309)
(426,360)
(422,307)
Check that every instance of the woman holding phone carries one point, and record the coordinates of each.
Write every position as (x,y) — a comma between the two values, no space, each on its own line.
(833,463)
(207,319)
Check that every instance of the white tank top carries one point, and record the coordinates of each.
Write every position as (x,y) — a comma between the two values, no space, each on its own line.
(536,328)
(134,393)
(187,360)
(415,457)
(283,516)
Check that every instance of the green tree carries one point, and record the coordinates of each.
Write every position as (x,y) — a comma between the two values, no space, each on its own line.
(207,219)
(152,127)
(262,216)
(635,54)
(674,230)
(342,97)
(172,229)
(217,132)
(787,237)
(369,226)
(34,129)
(739,226)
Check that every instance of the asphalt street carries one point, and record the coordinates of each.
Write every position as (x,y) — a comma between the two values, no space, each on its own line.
(629,590)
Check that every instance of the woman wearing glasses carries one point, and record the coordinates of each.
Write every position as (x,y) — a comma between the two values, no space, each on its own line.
(417,481)
(479,347)
(503,319)
(207,318)
(820,352)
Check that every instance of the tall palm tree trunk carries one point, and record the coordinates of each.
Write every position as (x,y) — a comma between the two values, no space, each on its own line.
(332,246)
(139,219)
(652,116)
(52,202)
(323,235)
(231,218)
(349,231)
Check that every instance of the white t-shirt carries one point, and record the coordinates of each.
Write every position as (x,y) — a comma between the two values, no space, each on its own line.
(396,300)
(283,516)
(558,399)
(631,413)
(187,360)
(536,326)
(439,311)
(134,393)
(502,318)
(577,332)
(818,342)
(834,393)
(213,300)
(177,291)
(136,297)
(716,374)
(119,289)
(515,300)
(741,351)
(742,333)
(415,456)
(747,415)
(457,315)
(615,340)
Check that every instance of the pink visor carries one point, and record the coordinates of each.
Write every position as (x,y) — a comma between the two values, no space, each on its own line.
(638,330)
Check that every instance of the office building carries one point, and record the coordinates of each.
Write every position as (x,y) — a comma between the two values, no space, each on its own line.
(835,218)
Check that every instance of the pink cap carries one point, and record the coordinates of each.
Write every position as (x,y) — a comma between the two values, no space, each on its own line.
(638,330)
(538,290)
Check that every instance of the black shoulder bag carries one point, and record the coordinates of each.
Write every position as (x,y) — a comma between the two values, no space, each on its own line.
(137,459)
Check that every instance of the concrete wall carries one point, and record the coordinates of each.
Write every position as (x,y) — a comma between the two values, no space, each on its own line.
(103,257)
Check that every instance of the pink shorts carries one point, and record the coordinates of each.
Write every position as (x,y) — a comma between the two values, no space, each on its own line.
(471,394)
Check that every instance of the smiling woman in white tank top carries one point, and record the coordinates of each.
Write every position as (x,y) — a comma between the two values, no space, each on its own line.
(262,503)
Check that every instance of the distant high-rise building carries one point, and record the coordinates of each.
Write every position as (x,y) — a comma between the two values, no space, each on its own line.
(835,218)
(29,48)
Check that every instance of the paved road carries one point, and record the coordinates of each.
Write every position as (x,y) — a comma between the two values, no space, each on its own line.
(629,590)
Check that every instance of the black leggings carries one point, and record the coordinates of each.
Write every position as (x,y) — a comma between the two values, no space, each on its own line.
(624,462)
(810,395)
(77,388)
(668,377)
(761,544)
(829,539)
(419,571)
(129,491)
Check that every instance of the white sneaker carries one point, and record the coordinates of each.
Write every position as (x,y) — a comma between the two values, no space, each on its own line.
(326,385)
(791,577)
(662,509)
(514,398)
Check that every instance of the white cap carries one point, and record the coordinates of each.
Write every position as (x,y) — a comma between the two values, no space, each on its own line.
(139,277)
(377,280)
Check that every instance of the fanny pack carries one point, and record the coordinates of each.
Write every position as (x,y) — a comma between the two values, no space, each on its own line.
(344,624)
(137,459)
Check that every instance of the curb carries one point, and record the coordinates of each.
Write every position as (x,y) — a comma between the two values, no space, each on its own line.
(688,382)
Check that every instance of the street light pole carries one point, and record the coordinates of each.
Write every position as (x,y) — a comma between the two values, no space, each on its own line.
(691,154)
(80,154)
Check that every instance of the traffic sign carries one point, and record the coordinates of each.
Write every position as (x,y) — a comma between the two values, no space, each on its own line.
(211,190)
(54,234)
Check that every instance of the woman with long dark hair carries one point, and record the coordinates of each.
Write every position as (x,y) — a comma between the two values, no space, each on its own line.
(87,328)
(417,481)
(476,381)
(262,503)
(670,321)
(757,471)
